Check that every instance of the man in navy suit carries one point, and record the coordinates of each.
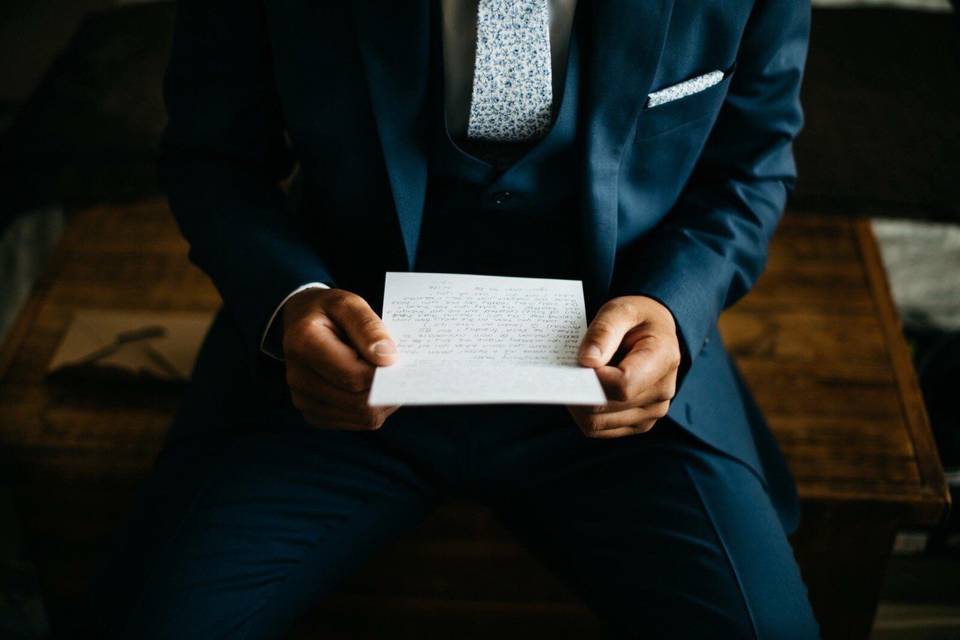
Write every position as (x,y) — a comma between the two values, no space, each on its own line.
(643,147)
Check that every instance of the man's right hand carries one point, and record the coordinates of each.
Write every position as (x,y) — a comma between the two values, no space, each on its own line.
(332,341)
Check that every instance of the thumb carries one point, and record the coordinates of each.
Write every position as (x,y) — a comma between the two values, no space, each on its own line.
(605,334)
(364,330)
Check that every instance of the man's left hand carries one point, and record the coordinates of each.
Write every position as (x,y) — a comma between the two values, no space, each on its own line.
(632,343)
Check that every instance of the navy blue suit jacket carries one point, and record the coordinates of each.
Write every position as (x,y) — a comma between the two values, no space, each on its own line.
(679,200)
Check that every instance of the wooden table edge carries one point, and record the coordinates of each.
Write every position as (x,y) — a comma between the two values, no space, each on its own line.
(911,396)
(31,307)
(41,288)
(931,503)
(916,510)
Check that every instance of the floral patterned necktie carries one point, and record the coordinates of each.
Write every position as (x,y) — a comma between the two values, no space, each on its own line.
(512,75)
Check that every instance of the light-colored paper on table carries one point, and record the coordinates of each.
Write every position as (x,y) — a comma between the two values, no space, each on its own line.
(99,340)
(464,339)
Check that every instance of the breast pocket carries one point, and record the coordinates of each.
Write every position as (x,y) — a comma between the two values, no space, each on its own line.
(683,103)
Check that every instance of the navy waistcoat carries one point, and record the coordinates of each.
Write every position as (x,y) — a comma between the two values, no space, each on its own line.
(502,209)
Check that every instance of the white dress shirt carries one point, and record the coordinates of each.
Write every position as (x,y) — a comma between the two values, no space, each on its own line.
(459,47)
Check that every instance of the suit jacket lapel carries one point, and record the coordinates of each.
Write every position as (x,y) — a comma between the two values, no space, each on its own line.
(394,46)
(625,40)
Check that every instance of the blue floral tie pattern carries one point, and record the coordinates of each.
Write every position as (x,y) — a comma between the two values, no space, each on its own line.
(512,76)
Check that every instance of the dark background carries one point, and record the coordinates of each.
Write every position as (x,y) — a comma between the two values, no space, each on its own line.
(80,116)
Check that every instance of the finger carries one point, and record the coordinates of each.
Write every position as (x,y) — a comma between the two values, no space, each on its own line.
(331,421)
(329,417)
(321,349)
(308,382)
(334,420)
(625,431)
(365,331)
(312,394)
(662,391)
(591,422)
(648,361)
(606,332)
(626,390)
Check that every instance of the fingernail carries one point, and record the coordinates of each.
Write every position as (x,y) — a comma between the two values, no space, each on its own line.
(384,348)
(592,351)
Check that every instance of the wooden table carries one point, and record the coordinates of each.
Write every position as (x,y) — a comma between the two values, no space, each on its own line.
(818,340)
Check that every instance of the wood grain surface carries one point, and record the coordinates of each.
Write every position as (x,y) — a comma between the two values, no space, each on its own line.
(818,340)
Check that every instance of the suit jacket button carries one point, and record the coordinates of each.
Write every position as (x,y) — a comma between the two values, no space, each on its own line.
(501,196)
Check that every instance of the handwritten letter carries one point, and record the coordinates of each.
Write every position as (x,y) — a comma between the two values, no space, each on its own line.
(466,339)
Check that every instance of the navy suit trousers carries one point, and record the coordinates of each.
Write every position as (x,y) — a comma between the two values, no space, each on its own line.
(235,536)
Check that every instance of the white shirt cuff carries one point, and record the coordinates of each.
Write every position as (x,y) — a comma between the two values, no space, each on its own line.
(264,346)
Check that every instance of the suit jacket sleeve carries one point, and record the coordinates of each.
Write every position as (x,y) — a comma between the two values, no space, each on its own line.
(709,250)
(223,155)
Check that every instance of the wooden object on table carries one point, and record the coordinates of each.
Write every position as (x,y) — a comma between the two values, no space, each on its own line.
(818,340)
(821,346)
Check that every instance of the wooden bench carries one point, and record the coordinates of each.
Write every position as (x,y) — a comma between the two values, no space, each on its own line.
(818,340)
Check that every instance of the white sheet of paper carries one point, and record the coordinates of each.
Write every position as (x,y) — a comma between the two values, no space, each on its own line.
(465,339)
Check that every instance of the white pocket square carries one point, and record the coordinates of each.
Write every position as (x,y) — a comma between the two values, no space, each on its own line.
(684,89)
